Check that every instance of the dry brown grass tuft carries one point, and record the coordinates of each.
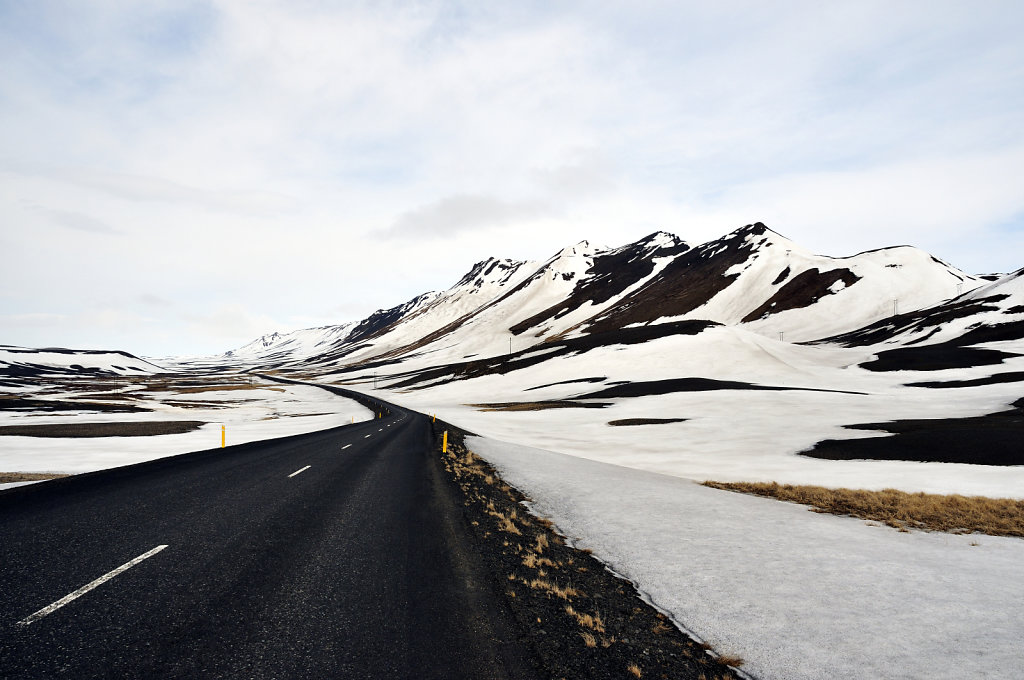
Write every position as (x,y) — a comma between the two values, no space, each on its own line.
(931,512)
(542,542)
(589,640)
(564,592)
(733,661)
(532,561)
(506,522)
(660,628)
(591,621)
(634,670)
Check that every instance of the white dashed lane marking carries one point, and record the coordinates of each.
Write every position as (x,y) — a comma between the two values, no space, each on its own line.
(49,609)
(300,470)
(345,446)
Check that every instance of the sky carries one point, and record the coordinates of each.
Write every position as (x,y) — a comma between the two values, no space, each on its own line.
(180,177)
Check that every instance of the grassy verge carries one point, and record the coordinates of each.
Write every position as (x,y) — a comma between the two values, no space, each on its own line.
(932,512)
(583,621)
(8,477)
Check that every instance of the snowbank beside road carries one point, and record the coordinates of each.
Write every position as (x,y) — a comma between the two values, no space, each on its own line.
(798,595)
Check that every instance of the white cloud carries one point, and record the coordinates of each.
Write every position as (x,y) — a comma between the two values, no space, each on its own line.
(252,155)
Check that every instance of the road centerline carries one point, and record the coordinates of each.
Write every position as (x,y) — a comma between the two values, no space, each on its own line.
(50,608)
(345,446)
(300,470)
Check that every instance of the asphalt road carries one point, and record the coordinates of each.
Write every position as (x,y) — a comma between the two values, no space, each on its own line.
(337,554)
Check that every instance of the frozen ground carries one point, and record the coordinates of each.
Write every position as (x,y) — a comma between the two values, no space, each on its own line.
(798,595)
(248,415)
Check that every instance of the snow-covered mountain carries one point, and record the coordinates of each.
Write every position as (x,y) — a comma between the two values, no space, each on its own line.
(284,346)
(758,278)
(753,278)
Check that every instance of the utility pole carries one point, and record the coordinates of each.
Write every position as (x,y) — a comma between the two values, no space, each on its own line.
(510,346)
(780,336)
(375,380)
(894,303)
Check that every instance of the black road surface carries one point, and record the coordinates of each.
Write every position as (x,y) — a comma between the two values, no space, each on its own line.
(359,566)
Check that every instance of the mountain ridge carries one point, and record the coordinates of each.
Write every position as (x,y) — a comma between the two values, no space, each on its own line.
(753,277)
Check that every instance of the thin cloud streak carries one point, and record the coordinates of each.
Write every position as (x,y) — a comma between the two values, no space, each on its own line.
(455,214)
(71,219)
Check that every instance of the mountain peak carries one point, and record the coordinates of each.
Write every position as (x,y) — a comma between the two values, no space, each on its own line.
(660,239)
(756,229)
(584,248)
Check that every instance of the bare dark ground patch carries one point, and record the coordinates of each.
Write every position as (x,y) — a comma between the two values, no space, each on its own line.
(645,421)
(583,621)
(937,357)
(803,290)
(537,405)
(567,382)
(24,404)
(648,388)
(998,378)
(993,439)
(74,430)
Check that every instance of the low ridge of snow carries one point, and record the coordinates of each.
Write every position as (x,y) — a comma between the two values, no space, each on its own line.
(115,362)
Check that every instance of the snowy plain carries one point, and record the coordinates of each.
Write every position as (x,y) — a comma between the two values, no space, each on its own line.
(730,435)
(277,411)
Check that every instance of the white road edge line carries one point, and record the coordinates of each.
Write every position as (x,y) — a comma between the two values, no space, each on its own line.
(49,609)
(345,446)
(300,470)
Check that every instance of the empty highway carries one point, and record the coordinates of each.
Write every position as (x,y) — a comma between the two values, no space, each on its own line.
(335,554)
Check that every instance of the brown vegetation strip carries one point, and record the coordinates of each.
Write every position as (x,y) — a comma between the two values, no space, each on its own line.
(953,513)
(8,477)
(141,429)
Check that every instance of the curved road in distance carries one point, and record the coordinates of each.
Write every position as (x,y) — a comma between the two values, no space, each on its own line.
(335,554)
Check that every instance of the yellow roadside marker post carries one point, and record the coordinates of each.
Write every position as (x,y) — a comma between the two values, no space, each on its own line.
(223,436)
(444,443)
